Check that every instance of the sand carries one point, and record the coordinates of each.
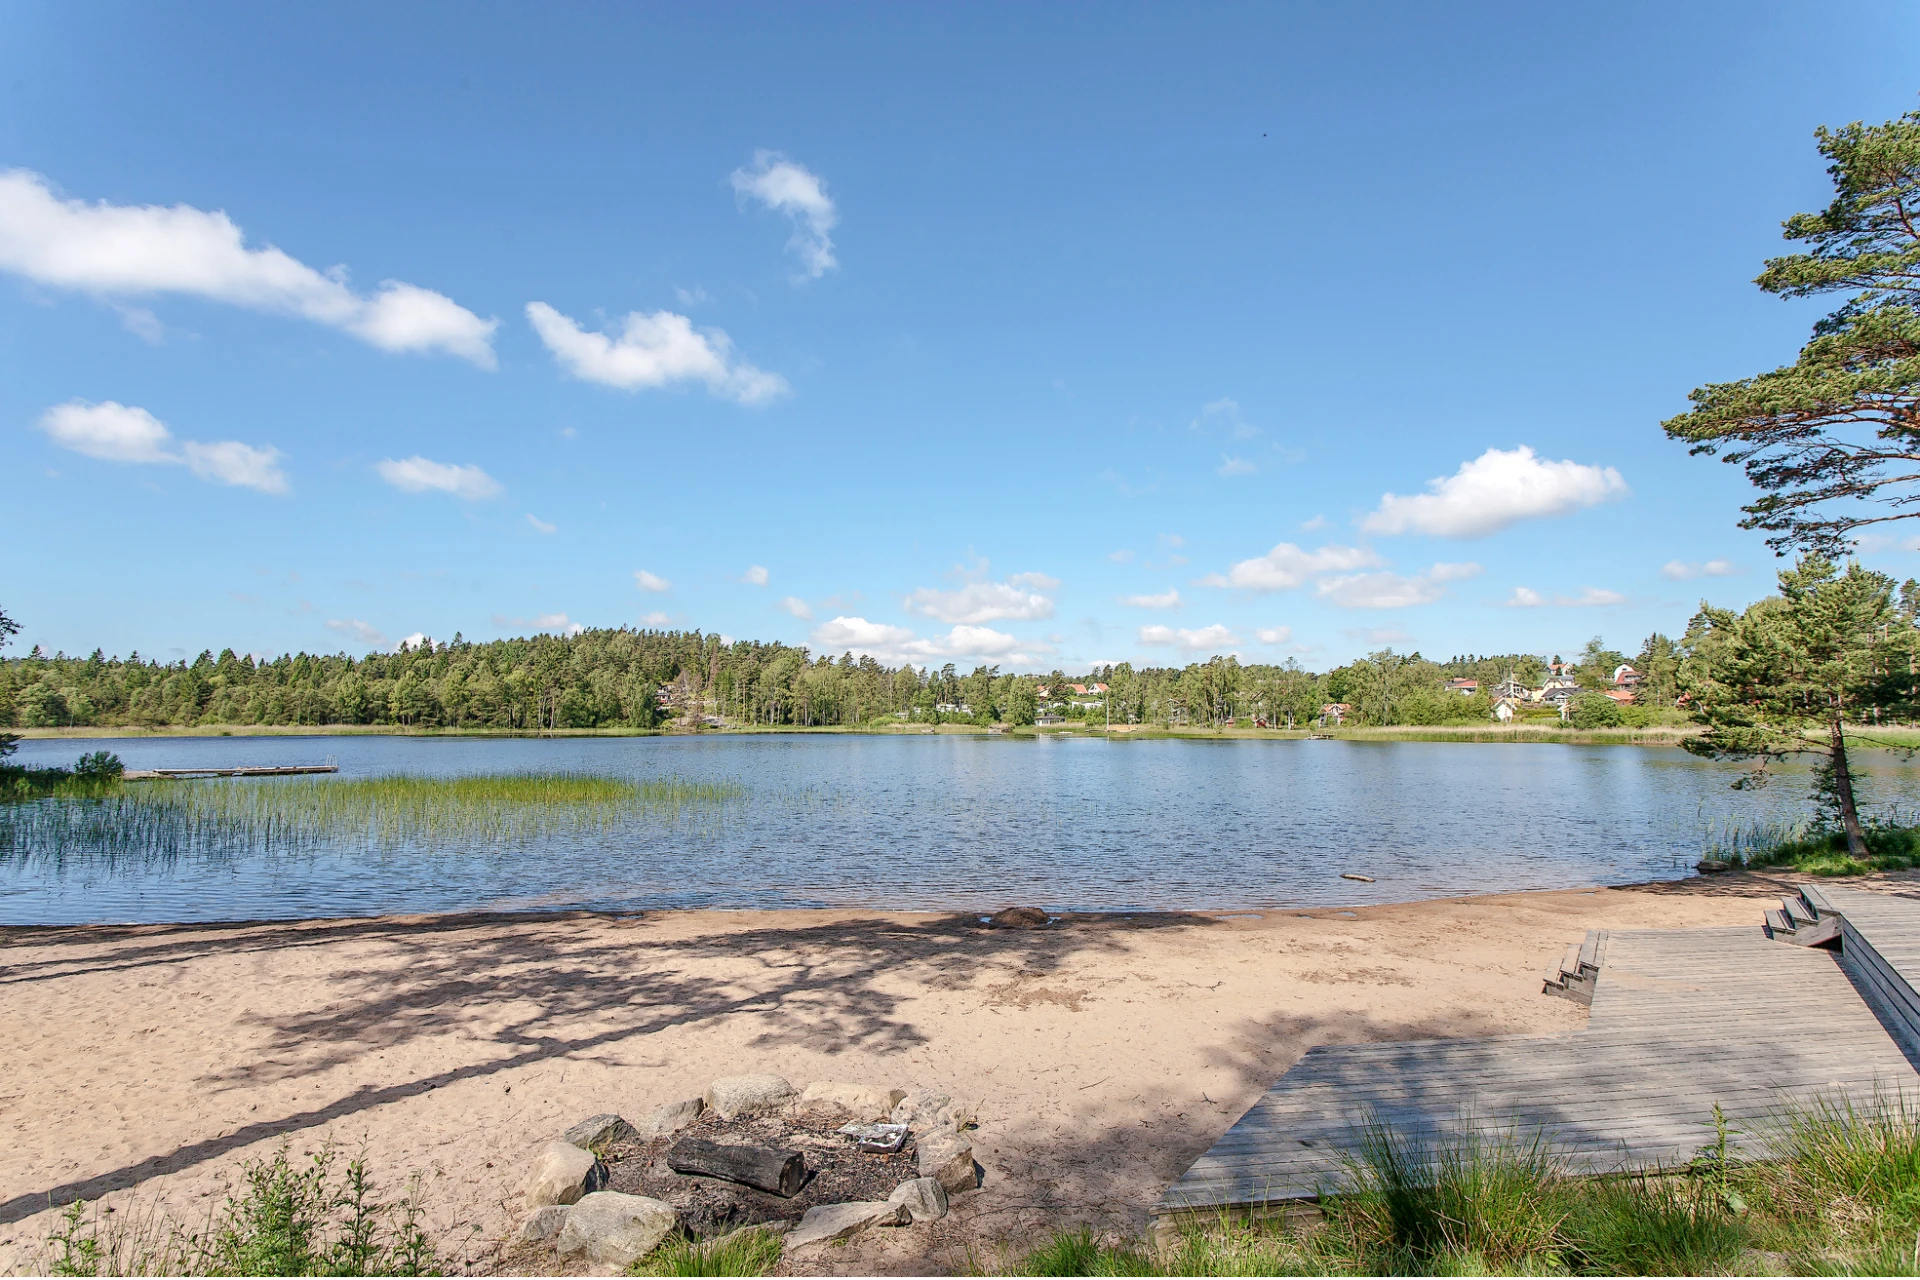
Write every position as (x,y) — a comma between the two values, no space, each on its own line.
(143,1064)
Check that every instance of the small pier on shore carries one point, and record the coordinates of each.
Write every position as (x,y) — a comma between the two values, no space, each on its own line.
(1682,1020)
(242,771)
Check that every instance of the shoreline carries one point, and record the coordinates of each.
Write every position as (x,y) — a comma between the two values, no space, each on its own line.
(1658,736)
(1103,1053)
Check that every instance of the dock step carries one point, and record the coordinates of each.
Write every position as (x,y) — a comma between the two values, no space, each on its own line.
(1805,919)
(1579,969)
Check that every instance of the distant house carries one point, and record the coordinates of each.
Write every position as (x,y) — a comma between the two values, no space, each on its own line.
(1049,720)
(1503,709)
(954,709)
(1464,687)
(1337,712)
(1558,694)
(1512,690)
(1625,677)
(1621,696)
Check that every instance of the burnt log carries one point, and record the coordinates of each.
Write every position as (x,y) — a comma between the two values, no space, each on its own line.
(763,1168)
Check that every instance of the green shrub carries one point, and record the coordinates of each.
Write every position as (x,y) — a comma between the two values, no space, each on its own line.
(750,1252)
(1653,1226)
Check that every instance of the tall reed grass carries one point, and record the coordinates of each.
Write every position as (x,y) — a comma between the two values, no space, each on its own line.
(1893,842)
(237,816)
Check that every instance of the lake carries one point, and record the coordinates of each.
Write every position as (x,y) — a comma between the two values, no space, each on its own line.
(942,823)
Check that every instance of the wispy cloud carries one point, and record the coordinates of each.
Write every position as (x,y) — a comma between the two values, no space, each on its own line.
(900,644)
(797,607)
(541,526)
(356,629)
(1274,635)
(115,432)
(424,475)
(786,187)
(655,350)
(650,581)
(1683,571)
(1232,466)
(114,251)
(1168,599)
(1393,590)
(1589,598)
(1288,566)
(557,623)
(756,575)
(1020,598)
(1493,491)
(1211,639)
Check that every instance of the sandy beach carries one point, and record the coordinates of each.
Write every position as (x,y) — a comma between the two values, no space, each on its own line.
(1103,1054)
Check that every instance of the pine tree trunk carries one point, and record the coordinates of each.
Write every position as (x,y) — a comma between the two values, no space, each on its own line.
(1843,787)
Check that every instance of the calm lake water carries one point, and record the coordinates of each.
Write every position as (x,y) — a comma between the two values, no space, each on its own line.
(945,823)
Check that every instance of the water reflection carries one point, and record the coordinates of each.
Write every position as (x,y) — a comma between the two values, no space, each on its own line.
(941,823)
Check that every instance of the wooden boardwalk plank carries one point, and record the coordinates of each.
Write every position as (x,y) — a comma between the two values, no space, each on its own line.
(1676,1019)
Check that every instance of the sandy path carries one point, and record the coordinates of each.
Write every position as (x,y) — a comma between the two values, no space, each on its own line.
(1103,1055)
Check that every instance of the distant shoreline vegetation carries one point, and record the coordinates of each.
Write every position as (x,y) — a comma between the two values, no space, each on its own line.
(633,681)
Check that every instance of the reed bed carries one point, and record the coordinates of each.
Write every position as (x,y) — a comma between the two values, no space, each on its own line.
(229,817)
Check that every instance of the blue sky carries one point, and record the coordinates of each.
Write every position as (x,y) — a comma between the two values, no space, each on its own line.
(1031,335)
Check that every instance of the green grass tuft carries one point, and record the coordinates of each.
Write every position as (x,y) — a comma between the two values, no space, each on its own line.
(747,1252)
(1893,844)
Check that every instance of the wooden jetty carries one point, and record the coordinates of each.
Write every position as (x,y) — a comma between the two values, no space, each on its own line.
(1681,1020)
(244,771)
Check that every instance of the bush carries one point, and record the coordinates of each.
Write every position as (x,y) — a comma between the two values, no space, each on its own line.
(311,1220)
(747,1252)
(98,766)
(1595,711)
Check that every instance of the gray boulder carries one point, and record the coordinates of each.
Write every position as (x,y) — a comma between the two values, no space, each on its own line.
(946,1157)
(731,1096)
(671,1119)
(921,1110)
(561,1174)
(836,1099)
(596,1131)
(924,1199)
(838,1221)
(544,1223)
(615,1228)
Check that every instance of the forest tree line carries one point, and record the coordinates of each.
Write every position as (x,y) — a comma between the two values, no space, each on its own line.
(633,679)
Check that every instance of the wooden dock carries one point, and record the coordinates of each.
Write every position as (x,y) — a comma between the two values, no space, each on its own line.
(1681,1020)
(244,771)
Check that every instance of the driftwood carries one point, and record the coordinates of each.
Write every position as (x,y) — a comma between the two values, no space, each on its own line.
(781,1172)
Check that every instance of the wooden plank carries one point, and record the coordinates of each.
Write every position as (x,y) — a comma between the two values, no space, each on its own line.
(1677,1016)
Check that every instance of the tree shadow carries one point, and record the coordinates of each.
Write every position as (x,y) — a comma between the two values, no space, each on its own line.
(815,986)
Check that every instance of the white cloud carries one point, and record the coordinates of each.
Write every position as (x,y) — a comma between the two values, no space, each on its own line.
(365,632)
(655,619)
(789,188)
(231,462)
(900,644)
(986,601)
(1393,590)
(117,432)
(1315,524)
(1682,571)
(1493,491)
(413,641)
(797,607)
(1038,581)
(1168,599)
(117,250)
(650,581)
(691,297)
(1274,635)
(756,575)
(653,351)
(557,623)
(1121,556)
(1589,598)
(1211,639)
(1231,466)
(1287,566)
(109,431)
(541,526)
(423,475)
(142,324)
